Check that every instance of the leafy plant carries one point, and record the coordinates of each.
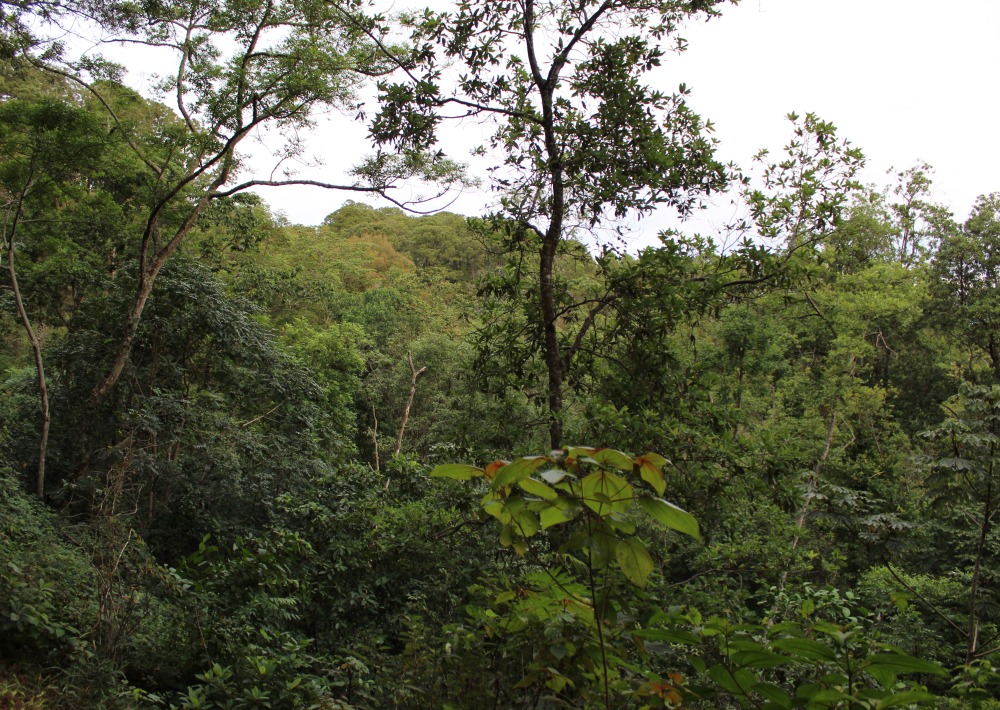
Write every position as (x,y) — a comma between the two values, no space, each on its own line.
(588,501)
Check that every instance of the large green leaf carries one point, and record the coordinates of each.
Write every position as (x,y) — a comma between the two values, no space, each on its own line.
(805,648)
(525,523)
(552,515)
(519,469)
(553,475)
(774,694)
(611,457)
(537,488)
(600,547)
(827,697)
(457,471)
(902,663)
(758,659)
(670,516)
(737,682)
(604,492)
(634,560)
(576,453)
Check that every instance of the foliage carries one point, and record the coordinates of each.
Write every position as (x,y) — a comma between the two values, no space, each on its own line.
(237,511)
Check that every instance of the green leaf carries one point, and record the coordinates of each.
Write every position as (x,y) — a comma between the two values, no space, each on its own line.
(611,457)
(670,516)
(736,682)
(457,471)
(885,677)
(601,548)
(525,523)
(604,492)
(537,488)
(578,452)
(634,560)
(758,659)
(902,663)
(519,469)
(774,694)
(806,648)
(653,459)
(552,515)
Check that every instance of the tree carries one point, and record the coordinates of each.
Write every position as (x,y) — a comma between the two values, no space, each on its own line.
(964,473)
(242,69)
(47,150)
(916,218)
(967,267)
(582,139)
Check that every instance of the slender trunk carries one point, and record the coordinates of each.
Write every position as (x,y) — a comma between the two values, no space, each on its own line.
(409,401)
(553,359)
(43,393)
(36,346)
(545,85)
(984,531)
(811,488)
(374,430)
(598,621)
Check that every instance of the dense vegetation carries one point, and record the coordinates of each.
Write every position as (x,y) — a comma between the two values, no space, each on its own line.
(501,461)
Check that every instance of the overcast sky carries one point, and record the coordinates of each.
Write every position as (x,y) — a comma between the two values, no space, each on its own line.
(904,80)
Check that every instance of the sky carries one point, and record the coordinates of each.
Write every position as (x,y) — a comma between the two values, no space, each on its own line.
(906,81)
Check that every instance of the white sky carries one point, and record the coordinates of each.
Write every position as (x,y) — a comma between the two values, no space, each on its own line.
(904,80)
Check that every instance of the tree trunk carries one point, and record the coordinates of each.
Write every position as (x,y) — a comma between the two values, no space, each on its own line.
(409,401)
(553,359)
(984,532)
(812,486)
(36,346)
(151,262)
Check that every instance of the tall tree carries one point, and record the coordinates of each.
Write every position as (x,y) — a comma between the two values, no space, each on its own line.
(581,137)
(242,68)
(48,151)
(967,267)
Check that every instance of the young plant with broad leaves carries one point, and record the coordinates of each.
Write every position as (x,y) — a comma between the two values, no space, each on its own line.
(590,504)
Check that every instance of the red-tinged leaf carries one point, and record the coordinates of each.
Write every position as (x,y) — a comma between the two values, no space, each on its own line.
(653,459)
(652,473)
(492,468)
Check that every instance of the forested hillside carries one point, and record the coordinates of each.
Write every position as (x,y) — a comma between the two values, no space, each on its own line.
(510,460)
